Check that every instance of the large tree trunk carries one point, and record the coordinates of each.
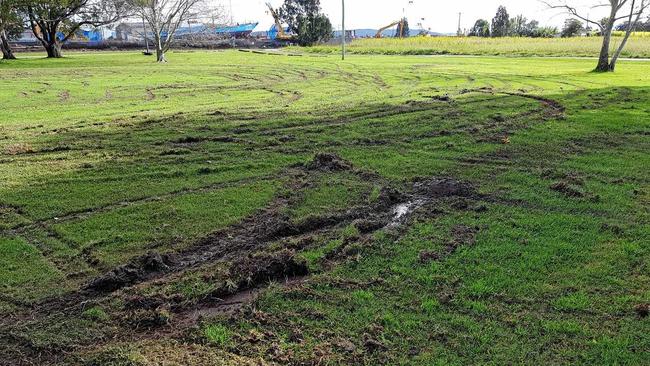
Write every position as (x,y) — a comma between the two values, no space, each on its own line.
(603,59)
(160,50)
(7,52)
(51,44)
(160,55)
(53,50)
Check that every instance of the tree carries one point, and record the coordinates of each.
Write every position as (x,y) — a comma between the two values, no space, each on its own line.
(517,26)
(305,19)
(636,9)
(544,32)
(55,21)
(10,25)
(521,27)
(480,29)
(403,29)
(572,28)
(501,23)
(315,29)
(640,26)
(164,18)
(291,10)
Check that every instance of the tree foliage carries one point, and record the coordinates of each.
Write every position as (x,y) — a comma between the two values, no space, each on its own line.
(501,23)
(521,27)
(305,19)
(638,27)
(11,25)
(313,30)
(55,21)
(544,32)
(10,20)
(480,29)
(292,10)
(572,28)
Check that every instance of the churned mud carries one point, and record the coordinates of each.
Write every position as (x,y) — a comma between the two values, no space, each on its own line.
(244,246)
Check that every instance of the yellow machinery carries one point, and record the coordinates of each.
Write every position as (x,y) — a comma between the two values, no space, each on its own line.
(400,24)
(282,35)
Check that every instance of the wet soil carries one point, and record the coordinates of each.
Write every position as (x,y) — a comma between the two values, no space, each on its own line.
(244,245)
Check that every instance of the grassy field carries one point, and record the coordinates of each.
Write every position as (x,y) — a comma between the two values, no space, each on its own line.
(638,46)
(237,208)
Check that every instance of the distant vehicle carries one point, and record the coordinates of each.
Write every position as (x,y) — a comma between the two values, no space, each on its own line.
(226,31)
(278,32)
(400,23)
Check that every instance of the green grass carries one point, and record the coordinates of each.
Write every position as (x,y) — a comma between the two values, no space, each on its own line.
(24,269)
(331,194)
(638,46)
(94,171)
(217,334)
(96,314)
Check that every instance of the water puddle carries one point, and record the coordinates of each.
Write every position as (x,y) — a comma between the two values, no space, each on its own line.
(401,211)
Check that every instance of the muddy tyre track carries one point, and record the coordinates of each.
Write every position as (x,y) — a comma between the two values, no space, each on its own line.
(237,242)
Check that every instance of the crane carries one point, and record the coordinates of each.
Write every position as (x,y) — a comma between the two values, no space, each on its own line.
(281,34)
(401,27)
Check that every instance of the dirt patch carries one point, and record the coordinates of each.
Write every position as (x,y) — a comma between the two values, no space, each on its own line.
(443,187)
(642,310)
(329,162)
(461,235)
(441,98)
(170,314)
(225,139)
(568,189)
(264,267)
(189,140)
(427,256)
(131,273)
(64,96)
(19,149)
(370,225)
(613,228)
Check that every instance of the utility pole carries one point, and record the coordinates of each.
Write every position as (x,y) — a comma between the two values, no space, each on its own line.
(146,38)
(343,31)
(460,31)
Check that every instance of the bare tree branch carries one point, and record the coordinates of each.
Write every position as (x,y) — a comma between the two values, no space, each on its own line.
(637,9)
(165,18)
(573,11)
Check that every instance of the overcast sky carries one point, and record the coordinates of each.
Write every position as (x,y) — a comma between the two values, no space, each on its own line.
(439,15)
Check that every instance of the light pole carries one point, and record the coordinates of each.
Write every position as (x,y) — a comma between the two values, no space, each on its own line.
(343,31)
(146,38)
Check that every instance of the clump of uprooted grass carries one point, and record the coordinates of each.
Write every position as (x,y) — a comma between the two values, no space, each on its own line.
(637,47)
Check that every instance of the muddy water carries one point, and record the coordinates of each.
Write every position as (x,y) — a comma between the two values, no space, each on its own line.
(403,210)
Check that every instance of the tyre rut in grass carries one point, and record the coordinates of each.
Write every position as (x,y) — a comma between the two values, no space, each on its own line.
(239,243)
